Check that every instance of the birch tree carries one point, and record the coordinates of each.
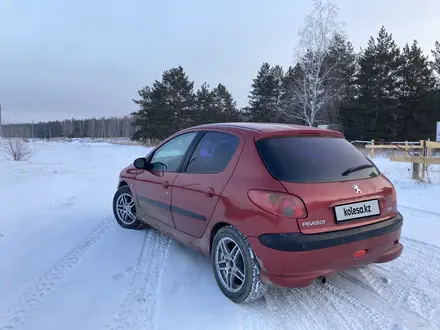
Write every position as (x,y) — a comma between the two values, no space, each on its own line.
(68,127)
(311,95)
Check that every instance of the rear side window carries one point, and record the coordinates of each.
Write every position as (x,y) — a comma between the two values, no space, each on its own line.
(314,159)
(213,153)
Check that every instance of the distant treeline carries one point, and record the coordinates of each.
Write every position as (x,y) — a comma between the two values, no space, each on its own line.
(73,128)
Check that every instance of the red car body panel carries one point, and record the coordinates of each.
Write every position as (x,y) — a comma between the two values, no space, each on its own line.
(195,206)
(199,194)
(153,191)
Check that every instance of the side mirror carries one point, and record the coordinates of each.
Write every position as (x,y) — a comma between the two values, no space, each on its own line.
(140,163)
(158,166)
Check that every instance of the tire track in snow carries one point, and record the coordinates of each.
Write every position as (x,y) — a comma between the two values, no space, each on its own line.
(257,317)
(318,297)
(306,308)
(419,264)
(37,292)
(295,301)
(396,295)
(311,302)
(320,307)
(422,304)
(280,310)
(360,314)
(388,305)
(392,285)
(139,307)
(415,209)
(316,307)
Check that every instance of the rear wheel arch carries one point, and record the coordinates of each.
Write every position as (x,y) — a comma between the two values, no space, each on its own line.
(214,231)
(252,287)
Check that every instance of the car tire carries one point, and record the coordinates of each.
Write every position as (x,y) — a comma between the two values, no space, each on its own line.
(243,264)
(124,209)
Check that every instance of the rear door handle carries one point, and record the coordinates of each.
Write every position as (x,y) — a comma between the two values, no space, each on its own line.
(209,192)
(165,184)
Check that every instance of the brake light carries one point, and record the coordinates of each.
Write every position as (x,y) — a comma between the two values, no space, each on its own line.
(277,203)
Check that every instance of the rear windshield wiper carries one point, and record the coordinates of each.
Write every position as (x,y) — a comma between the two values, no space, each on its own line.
(356,168)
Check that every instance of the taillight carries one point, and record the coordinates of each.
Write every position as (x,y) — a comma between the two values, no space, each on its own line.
(393,198)
(277,203)
(393,195)
(390,203)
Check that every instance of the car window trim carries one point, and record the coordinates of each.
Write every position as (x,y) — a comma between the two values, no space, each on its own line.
(187,159)
(190,147)
(190,151)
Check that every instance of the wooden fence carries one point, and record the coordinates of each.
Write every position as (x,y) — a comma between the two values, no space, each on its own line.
(422,159)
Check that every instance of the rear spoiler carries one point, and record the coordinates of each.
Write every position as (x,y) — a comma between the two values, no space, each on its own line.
(308,132)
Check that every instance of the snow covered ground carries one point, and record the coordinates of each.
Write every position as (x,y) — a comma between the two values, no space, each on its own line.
(66,264)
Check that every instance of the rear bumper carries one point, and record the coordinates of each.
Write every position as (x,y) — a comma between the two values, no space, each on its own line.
(296,260)
(301,242)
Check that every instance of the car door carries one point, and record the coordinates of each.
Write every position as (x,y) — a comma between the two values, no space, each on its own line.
(153,186)
(204,175)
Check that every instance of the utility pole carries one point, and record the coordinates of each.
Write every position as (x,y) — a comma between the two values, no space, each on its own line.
(1,121)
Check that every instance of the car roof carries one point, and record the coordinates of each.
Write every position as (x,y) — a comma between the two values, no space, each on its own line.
(262,130)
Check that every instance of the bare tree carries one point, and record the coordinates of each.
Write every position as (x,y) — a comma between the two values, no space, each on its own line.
(68,127)
(312,92)
(100,128)
(81,125)
(16,149)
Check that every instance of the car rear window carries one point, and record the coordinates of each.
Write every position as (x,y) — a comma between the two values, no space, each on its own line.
(313,159)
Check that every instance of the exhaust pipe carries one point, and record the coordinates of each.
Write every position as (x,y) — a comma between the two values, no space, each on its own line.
(323,279)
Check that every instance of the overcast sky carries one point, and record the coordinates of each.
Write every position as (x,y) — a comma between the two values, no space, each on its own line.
(81,58)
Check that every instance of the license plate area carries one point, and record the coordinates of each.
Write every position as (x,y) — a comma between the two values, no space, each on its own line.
(357,210)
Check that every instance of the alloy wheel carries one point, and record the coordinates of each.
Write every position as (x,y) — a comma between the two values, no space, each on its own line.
(126,209)
(229,264)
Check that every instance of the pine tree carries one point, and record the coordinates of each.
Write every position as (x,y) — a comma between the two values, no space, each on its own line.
(205,110)
(179,97)
(373,112)
(341,83)
(290,99)
(215,106)
(266,94)
(165,108)
(418,84)
(225,105)
(416,73)
(278,83)
(436,62)
(417,81)
(144,116)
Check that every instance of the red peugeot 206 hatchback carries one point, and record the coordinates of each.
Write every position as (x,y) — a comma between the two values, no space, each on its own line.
(271,204)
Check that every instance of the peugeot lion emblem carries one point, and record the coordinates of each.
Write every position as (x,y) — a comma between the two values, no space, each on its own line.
(356,189)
